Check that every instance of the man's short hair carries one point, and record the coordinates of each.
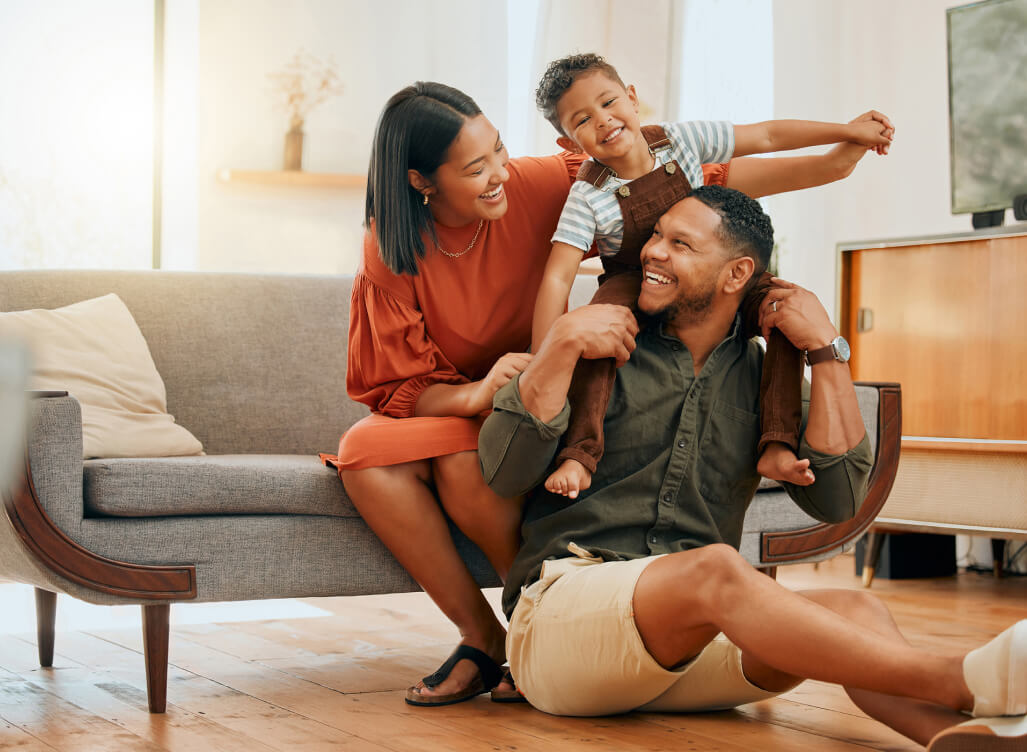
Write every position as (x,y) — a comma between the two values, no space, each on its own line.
(744,227)
(561,75)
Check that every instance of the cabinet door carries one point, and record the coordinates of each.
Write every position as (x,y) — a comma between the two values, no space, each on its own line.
(949,322)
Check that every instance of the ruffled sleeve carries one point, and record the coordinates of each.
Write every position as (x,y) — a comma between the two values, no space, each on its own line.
(715,174)
(391,359)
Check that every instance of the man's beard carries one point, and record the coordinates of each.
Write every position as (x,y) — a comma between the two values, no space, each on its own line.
(689,307)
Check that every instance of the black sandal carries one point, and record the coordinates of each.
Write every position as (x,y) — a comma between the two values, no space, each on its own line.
(507,695)
(489,674)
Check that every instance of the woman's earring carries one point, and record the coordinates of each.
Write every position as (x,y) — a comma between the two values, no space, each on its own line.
(426,199)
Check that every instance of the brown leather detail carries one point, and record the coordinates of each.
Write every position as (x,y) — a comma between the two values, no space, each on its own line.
(820,355)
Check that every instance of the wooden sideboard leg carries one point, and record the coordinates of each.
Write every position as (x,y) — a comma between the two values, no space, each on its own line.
(998,555)
(46,618)
(770,572)
(873,553)
(156,624)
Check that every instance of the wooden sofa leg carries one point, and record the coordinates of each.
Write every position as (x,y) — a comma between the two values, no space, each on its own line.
(156,623)
(46,618)
(873,555)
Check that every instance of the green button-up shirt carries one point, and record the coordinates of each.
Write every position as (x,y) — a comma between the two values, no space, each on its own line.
(679,467)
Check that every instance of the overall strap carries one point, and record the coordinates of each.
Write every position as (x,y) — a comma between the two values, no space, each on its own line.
(656,137)
(596,174)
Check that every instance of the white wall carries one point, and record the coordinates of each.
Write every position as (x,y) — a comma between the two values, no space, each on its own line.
(379,48)
(833,61)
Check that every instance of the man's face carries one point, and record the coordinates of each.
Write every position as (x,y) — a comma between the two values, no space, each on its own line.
(681,264)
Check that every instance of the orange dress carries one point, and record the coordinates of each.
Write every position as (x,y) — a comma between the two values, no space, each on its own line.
(451,322)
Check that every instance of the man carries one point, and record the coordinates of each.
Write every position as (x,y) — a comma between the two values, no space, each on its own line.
(634,596)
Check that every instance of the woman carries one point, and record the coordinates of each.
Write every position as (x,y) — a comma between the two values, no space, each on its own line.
(458,238)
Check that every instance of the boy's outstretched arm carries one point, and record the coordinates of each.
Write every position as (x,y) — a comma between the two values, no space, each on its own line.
(783,135)
(759,176)
(557,279)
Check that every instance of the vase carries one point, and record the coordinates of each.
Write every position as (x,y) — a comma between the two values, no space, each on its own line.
(293,157)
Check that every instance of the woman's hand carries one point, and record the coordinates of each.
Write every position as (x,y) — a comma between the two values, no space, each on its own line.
(498,376)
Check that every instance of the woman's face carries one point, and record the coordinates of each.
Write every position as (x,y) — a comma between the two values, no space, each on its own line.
(468,186)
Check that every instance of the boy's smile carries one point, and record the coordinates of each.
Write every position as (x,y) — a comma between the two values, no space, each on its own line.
(600,118)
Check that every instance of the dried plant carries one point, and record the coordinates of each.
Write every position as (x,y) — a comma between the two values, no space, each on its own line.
(304,83)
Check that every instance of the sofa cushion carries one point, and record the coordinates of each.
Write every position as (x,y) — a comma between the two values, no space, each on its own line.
(214,485)
(95,351)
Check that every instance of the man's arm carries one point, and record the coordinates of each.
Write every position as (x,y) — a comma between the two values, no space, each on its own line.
(519,439)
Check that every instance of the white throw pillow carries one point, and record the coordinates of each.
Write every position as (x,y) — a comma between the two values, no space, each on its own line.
(95,351)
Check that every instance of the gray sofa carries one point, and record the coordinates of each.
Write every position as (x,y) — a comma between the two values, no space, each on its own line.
(254,367)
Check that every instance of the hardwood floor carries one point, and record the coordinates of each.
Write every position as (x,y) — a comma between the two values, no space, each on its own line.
(330,674)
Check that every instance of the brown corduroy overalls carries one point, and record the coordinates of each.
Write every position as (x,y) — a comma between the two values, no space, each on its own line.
(642,202)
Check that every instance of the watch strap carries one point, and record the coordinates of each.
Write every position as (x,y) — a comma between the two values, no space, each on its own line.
(820,354)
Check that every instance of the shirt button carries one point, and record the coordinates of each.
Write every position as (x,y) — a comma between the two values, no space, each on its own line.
(681,444)
(652,539)
(676,346)
(667,497)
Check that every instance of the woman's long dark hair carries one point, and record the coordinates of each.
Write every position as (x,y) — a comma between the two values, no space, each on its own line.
(414,131)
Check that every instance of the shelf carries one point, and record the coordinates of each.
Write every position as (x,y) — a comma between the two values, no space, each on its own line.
(292,178)
(964,445)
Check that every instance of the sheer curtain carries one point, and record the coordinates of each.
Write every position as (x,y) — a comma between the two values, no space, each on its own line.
(76,165)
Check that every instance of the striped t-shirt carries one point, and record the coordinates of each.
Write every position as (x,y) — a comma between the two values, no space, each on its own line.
(594,213)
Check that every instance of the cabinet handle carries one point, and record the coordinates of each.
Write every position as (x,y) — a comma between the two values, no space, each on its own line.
(865,320)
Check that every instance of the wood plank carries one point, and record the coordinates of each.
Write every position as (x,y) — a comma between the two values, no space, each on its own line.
(850,729)
(14,738)
(61,724)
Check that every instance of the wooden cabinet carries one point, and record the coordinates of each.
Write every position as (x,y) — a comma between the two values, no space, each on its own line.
(946,317)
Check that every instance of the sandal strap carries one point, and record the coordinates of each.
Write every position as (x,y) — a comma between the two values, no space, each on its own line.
(489,669)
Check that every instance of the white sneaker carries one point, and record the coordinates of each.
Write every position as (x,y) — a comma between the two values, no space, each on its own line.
(1007,734)
(996,674)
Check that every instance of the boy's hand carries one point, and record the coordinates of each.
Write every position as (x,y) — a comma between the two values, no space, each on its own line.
(881,118)
(870,133)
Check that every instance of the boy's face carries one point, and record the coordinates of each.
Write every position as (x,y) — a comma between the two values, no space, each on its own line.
(599,116)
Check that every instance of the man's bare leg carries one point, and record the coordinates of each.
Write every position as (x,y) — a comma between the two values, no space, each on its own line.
(682,600)
(916,719)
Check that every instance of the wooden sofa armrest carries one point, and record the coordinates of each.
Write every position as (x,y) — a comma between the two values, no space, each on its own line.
(791,545)
(59,553)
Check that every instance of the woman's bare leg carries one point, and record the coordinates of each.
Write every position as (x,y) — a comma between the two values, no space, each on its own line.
(682,598)
(398,502)
(492,522)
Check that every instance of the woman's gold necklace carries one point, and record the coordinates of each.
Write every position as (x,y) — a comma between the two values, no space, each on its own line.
(481,223)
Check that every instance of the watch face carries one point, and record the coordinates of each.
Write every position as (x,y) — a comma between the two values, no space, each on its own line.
(841,347)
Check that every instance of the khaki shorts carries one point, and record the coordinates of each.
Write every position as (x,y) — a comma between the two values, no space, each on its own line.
(575,650)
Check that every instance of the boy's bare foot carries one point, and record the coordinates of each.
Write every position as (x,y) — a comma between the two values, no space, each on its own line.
(569,479)
(780,463)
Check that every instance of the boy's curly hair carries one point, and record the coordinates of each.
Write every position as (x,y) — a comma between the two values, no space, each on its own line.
(744,226)
(561,75)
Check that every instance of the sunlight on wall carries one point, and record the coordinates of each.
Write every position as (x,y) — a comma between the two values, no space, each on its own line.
(75,157)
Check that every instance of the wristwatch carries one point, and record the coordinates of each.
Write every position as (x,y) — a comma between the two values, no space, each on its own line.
(837,349)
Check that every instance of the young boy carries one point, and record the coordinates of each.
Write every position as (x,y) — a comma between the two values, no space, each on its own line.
(636,174)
